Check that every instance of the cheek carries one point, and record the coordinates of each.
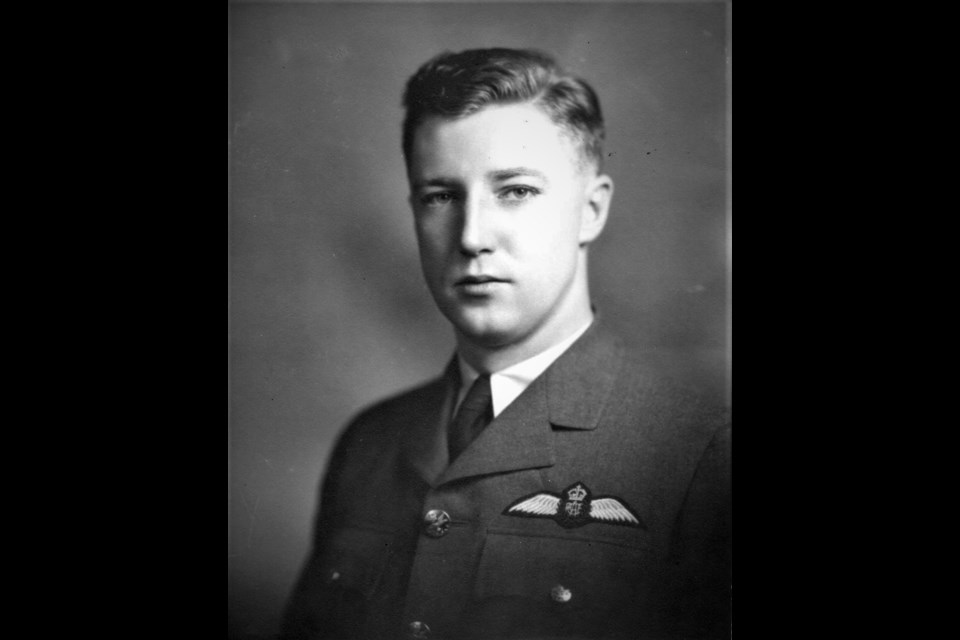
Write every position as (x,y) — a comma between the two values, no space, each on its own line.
(553,228)
(433,245)
(430,235)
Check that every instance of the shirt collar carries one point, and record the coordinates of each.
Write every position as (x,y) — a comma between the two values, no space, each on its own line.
(507,384)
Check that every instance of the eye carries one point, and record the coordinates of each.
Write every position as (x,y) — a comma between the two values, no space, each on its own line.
(436,198)
(518,192)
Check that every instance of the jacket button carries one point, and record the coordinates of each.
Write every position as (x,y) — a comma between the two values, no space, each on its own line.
(561,594)
(435,523)
(418,630)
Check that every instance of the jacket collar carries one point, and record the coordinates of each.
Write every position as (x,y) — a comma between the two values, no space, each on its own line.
(424,428)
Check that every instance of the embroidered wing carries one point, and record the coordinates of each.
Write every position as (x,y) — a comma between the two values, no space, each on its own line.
(611,510)
(542,504)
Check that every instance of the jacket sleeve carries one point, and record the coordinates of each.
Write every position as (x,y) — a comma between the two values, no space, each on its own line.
(702,546)
(310,609)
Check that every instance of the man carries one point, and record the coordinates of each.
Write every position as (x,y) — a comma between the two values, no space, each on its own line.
(547,484)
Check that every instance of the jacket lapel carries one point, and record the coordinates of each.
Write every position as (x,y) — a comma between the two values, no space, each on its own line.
(571,393)
(519,438)
(580,382)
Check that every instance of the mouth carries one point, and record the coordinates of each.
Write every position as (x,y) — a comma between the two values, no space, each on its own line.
(479,285)
(470,280)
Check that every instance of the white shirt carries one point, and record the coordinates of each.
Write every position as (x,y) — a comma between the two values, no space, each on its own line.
(507,384)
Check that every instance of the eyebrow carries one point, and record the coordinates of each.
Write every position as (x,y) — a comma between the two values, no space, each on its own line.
(500,175)
(435,182)
(507,174)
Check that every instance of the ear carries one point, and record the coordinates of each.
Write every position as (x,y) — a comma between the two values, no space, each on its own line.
(596,204)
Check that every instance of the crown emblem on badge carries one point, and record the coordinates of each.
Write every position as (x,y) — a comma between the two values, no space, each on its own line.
(577,493)
(575,507)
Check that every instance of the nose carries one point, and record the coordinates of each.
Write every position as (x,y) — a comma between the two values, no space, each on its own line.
(476,235)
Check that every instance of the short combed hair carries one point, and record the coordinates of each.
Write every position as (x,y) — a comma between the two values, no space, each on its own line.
(460,84)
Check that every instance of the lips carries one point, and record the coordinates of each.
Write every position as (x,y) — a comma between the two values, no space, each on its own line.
(481,279)
(479,287)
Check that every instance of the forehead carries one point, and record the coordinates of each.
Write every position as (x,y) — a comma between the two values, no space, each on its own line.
(496,137)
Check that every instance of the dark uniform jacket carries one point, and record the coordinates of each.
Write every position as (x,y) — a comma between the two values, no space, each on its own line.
(596,505)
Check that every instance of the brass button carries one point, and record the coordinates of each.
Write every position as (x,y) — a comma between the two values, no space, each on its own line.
(418,630)
(561,594)
(435,523)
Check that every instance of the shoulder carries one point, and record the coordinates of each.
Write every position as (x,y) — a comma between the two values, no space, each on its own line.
(381,425)
(660,402)
(401,403)
(385,414)
(650,378)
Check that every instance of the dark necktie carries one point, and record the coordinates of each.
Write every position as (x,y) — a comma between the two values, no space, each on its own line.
(475,413)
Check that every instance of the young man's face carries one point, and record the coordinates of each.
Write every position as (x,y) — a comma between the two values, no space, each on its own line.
(503,204)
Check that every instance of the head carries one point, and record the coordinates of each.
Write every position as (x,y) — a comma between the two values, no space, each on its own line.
(503,153)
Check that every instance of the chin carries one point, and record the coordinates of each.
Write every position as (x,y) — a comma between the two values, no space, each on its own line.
(484,329)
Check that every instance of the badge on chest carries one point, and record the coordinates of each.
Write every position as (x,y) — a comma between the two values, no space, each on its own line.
(575,506)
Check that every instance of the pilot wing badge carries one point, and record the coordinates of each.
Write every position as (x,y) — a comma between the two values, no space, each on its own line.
(575,506)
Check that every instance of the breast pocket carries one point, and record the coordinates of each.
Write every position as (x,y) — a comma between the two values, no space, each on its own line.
(562,586)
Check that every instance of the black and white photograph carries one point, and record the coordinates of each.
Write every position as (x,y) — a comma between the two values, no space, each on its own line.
(479,320)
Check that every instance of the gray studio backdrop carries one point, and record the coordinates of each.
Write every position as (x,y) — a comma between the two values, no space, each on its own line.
(327,308)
